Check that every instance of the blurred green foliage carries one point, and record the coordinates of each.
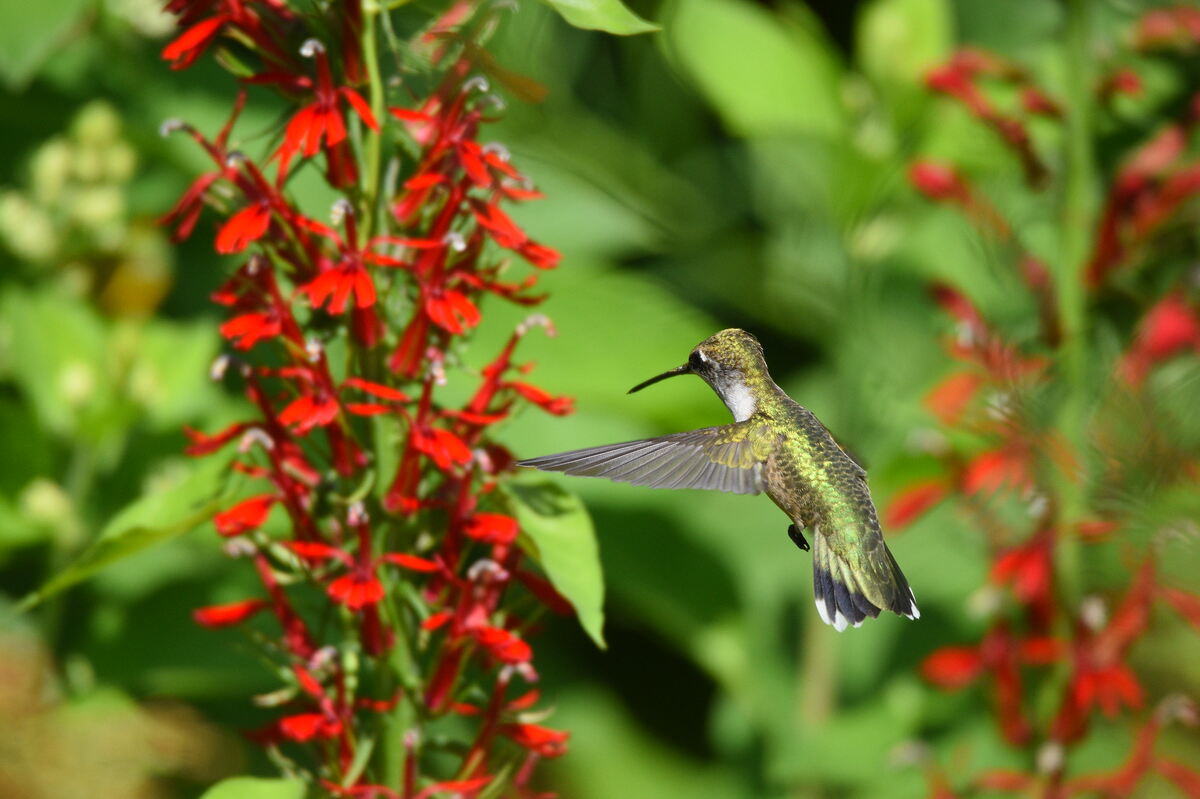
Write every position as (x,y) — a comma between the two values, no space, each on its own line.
(742,167)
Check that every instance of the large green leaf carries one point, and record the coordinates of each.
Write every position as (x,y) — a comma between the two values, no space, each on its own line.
(255,788)
(173,508)
(30,33)
(609,16)
(764,76)
(563,540)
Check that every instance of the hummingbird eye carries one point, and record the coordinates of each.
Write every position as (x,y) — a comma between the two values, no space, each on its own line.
(696,360)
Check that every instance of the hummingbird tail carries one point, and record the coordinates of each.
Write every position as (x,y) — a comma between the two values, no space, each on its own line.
(846,594)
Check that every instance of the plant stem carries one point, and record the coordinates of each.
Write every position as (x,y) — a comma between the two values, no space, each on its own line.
(374,144)
(1078,211)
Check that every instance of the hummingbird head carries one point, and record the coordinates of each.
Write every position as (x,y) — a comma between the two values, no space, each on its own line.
(731,362)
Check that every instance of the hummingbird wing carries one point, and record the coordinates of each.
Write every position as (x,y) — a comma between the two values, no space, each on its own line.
(726,458)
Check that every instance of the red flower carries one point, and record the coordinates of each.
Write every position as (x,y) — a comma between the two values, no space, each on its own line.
(559,406)
(950,397)
(244,227)
(990,471)
(192,43)
(357,589)
(452,311)
(248,329)
(1027,568)
(339,283)
(1186,604)
(492,528)
(228,614)
(322,119)
(542,740)
(913,501)
(308,411)
(953,666)
(307,726)
(1170,327)
(503,645)
(445,448)
(244,516)
(938,182)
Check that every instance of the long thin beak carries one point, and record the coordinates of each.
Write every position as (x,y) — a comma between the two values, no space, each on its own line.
(678,370)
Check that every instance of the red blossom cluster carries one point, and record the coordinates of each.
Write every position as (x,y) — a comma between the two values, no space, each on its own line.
(383,553)
(1043,639)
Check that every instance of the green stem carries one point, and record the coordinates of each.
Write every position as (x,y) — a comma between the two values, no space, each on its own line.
(1078,213)
(374,144)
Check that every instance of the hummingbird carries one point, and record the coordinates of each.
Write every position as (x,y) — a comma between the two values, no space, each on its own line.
(774,445)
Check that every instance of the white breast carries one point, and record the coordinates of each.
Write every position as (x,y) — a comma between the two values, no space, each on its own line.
(740,401)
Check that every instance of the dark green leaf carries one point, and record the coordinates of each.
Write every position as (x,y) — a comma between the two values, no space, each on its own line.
(255,788)
(30,33)
(169,511)
(609,16)
(762,76)
(560,534)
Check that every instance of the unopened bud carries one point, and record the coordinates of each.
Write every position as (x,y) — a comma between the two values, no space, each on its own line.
(498,149)
(341,209)
(455,241)
(311,47)
(1050,758)
(220,365)
(357,514)
(1093,612)
(170,125)
(477,83)
(255,435)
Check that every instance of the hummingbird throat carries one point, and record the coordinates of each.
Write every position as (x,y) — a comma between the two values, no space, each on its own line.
(737,398)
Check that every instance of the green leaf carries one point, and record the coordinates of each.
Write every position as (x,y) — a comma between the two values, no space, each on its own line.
(610,16)
(763,75)
(172,508)
(255,788)
(30,33)
(898,40)
(559,532)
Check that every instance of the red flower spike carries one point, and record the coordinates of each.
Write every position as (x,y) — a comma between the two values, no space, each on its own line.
(245,516)
(913,501)
(228,614)
(492,528)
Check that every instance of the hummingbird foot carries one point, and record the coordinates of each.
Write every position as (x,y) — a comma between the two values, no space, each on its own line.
(797,537)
